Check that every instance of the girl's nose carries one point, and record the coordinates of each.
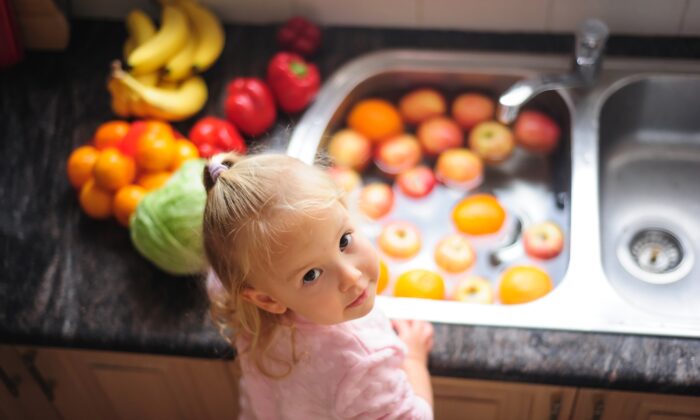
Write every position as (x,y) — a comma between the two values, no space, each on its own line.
(350,276)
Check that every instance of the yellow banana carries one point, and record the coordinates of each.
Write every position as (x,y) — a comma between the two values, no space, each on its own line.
(169,104)
(209,33)
(129,46)
(140,27)
(167,41)
(180,66)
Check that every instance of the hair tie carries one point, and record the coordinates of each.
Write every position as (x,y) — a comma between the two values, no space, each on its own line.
(215,169)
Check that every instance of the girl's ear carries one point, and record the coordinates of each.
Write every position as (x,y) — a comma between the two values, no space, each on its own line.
(263,301)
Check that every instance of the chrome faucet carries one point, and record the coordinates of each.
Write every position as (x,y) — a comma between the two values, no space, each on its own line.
(590,43)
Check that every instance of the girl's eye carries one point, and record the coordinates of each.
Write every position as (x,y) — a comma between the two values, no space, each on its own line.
(345,241)
(311,275)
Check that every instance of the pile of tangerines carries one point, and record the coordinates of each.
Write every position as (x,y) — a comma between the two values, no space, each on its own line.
(424,141)
(122,163)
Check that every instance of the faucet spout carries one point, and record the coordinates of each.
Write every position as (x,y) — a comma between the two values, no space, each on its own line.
(590,43)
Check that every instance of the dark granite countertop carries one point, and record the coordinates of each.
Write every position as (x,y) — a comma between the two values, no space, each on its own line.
(69,281)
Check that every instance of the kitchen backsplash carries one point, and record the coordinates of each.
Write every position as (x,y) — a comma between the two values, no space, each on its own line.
(638,17)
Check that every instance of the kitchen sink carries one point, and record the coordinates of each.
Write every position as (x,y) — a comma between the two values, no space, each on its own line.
(622,177)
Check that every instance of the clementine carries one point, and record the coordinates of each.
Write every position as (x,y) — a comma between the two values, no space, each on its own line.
(95,201)
(125,202)
(80,164)
(376,119)
(110,134)
(521,284)
(479,214)
(153,180)
(113,170)
(156,148)
(184,150)
(419,283)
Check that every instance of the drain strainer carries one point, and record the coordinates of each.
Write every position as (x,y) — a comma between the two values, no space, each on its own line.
(655,255)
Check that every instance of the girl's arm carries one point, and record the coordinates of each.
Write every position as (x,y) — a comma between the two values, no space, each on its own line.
(418,336)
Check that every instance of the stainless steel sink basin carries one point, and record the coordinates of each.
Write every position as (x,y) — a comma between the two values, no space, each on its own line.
(596,200)
(649,138)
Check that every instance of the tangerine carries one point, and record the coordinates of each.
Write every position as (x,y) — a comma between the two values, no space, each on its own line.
(184,150)
(420,283)
(95,201)
(479,214)
(376,119)
(153,180)
(524,283)
(383,279)
(156,148)
(110,134)
(125,202)
(113,170)
(80,164)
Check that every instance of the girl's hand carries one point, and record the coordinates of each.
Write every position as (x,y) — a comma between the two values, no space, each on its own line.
(418,336)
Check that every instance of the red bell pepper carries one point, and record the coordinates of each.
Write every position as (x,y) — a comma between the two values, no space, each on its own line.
(250,105)
(213,135)
(299,35)
(293,81)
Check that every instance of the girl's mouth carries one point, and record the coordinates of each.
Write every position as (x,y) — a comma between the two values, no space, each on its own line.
(360,299)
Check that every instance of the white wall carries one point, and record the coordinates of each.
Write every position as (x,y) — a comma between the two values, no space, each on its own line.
(639,17)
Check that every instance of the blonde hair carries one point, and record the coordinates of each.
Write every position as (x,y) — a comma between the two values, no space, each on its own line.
(251,201)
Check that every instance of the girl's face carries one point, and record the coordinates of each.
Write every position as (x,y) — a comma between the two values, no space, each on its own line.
(325,271)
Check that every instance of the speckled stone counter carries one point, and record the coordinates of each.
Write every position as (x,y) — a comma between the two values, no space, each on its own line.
(70,281)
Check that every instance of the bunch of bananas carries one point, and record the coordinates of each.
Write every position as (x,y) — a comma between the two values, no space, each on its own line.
(164,63)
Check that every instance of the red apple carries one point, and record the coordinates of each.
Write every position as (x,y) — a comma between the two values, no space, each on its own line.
(536,131)
(376,200)
(399,239)
(492,141)
(345,178)
(473,289)
(459,168)
(454,253)
(398,154)
(350,148)
(438,134)
(421,104)
(543,240)
(416,182)
(469,109)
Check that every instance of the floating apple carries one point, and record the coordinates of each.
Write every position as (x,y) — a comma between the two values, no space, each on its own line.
(350,148)
(421,104)
(454,253)
(492,141)
(536,131)
(416,182)
(469,109)
(438,134)
(398,154)
(459,168)
(473,289)
(399,239)
(376,200)
(345,178)
(543,240)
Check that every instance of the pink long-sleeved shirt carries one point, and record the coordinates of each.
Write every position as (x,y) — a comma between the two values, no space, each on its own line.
(345,371)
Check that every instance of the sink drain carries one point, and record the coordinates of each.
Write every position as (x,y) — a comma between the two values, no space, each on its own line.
(655,255)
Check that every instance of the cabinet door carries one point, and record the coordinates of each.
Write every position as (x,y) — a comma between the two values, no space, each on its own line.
(119,386)
(21,396)
(594,404)
(491,400)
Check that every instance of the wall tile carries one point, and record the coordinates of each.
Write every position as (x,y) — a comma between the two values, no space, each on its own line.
(643,17)
(392,13)
(487,15)
(691,19)
(110,9)
(251,11)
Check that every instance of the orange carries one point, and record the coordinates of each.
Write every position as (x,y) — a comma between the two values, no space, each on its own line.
(376,119)
(184,150)
(420,284)
(156,149)
(383,280)
(125,202)
(110,133)
(113,170)
(525,283)
(80,164)
(153,180)
(479,214)
(95,201)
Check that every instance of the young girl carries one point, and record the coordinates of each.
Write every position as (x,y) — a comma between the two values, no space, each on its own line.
(295,290)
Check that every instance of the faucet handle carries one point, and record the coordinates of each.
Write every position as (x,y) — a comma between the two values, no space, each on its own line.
(590,41)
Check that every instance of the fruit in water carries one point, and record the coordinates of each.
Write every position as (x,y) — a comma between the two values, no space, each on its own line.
(377,119)
(543,240)
(492,141)
(470,109)
(438,134)
(399,239)
(473,289)
(376,200)
(454,254)
(350,148)
(421,104)
(522,284)
(419,283)
(479,214)
(536,131)
(459,168)
(398,154)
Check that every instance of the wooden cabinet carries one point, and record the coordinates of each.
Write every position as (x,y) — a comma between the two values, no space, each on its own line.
(594,404)
(21,395)
(491,400)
